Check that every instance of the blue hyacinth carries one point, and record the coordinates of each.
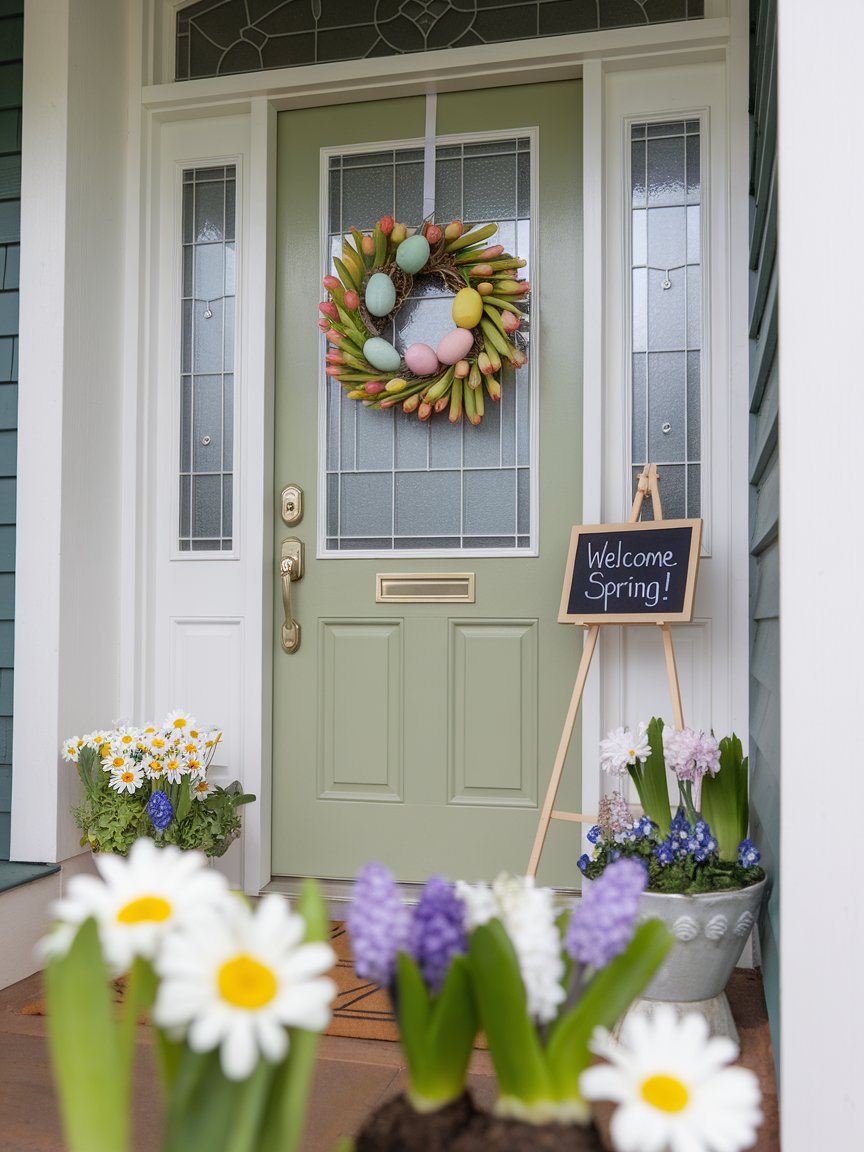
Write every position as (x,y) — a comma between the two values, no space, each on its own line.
(748,854)
(583,862)
(594,834)
(438,930)
(160,810)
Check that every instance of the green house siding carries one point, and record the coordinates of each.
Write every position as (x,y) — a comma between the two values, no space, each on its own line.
(764,491)
(11,52)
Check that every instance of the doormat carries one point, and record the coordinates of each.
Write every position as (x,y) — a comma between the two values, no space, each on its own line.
(361,1010)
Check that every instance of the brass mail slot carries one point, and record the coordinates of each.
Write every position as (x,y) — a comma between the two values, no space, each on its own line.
(424,588)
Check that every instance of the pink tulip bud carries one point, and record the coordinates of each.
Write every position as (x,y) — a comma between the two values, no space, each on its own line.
(334,369)
(334,358)
(351,300)
(368,245)
(433,233)
(518,359)
(510,321)
(324,325)
(334,337)
(329,309)
(373,387)
(332,284)
(386,224)
(490,253)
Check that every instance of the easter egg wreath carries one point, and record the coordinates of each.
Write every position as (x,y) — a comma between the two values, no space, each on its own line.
(374,278)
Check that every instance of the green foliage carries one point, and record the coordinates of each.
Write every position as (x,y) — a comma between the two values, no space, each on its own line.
(651,780)
(725,802)
(111,821)
(437,1030)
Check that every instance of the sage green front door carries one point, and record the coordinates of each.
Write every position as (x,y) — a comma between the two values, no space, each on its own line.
(422,734)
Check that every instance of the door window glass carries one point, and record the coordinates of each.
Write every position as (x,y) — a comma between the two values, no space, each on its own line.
(207,361)
(666,319)
(392,482)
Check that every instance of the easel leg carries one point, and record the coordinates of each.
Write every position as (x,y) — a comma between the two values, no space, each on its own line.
(672,673)
(558,767)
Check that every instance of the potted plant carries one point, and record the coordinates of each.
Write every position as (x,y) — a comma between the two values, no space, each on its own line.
(704,878)
(152,781)
(537,979)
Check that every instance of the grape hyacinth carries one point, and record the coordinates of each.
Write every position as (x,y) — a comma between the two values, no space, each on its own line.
(160,810)
(437,931)
(602,924)
(748,854)
(379,924)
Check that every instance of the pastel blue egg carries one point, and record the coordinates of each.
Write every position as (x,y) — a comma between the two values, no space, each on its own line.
(412,253)
(382,355)
(380,295)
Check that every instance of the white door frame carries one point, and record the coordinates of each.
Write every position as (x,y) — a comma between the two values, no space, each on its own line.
(259,96)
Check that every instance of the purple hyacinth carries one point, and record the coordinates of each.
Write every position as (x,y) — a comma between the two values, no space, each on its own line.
(379,924)
(160,810)
(438,930)
(602,924)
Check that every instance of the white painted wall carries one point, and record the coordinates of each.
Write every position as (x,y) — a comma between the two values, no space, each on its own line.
(72,438)
(821,254)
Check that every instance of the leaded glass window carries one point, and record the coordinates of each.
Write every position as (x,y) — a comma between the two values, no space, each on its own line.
(207,360)
(219,37)
(392,482)
(667,302)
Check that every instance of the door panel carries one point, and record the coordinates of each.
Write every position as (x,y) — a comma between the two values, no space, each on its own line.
(423,734)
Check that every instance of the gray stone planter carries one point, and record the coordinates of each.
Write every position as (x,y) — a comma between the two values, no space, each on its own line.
(710,932)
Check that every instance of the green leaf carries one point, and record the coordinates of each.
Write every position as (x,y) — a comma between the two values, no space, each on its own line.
(200,1105)
(502,1005)
(449,1037)
(284,1114)
(141,987)
(725,803)
(604,1001)
(651,780)
(184,803)
(84,1050)
(413,1011)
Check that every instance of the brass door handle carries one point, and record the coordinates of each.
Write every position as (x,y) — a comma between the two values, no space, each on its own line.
(290,569)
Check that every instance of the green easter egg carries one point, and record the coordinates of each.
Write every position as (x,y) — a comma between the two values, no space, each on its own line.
(381,354)
(380,295)
(412,254)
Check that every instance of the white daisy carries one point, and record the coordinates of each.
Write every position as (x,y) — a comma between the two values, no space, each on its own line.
(154,768)
(71,749)
(125,739)
(672,1086)
(135,900)
(237,980)
(621,747)
(114,762)
(201,789)
(175,769)
(128,778)
(178,720)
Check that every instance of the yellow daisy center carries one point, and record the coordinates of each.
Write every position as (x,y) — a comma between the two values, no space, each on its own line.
(118,762)
(665,1093)
(153,908)
(202,786)
(633,753)
(158,742)
(246,983)
(127,777)
(179,722)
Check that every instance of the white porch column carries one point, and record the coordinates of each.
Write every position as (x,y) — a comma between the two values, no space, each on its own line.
(72,441)
(821,255)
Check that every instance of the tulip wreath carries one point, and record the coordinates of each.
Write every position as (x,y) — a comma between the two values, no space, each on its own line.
(374,278)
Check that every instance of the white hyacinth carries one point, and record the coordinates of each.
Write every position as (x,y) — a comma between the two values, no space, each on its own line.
(528,916)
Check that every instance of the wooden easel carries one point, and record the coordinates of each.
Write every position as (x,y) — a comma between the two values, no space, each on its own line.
(647,486)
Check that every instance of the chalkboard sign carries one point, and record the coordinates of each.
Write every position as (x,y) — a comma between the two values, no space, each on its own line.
(641,573)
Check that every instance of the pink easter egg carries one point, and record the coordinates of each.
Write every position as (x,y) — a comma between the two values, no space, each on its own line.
(455,345)
(421,360)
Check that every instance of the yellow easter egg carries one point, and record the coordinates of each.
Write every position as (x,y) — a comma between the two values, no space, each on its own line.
(467,308)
